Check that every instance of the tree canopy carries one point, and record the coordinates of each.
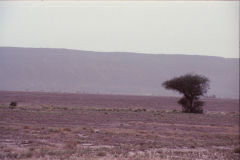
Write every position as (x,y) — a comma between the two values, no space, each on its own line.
(191,86)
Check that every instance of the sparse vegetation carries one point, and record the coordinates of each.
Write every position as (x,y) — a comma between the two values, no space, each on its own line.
(13,105)
(67,129)
(101,154)
(134,132)
(237,150)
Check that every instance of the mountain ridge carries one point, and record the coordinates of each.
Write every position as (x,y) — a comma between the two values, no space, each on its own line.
(45,69)
(114,52)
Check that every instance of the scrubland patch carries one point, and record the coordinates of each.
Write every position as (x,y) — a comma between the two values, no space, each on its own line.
(54,132)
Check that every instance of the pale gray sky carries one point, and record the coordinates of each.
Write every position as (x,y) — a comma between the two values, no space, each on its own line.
(200,27)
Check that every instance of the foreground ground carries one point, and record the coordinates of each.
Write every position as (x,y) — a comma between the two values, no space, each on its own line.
(89,127)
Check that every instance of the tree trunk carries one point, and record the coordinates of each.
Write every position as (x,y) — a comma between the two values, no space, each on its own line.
(191,105)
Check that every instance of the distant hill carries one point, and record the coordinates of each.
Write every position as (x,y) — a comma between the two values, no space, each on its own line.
(64,70)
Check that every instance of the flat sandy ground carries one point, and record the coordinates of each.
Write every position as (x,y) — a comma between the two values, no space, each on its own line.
(88,127)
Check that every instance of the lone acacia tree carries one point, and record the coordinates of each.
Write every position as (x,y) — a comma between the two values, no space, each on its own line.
(191,86)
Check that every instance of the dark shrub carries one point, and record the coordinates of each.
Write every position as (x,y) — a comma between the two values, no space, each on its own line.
(13,105)
(237,150)
(195,108)
(101,154)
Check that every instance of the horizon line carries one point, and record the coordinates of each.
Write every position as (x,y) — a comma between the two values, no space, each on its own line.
(129,52)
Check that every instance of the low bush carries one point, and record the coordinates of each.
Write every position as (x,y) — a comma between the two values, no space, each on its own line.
(101,154)
(13,105)
(237,150)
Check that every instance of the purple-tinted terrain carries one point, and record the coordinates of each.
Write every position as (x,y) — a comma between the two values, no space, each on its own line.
(110,101)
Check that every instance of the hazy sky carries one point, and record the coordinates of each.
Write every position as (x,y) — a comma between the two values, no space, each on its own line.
(203,28)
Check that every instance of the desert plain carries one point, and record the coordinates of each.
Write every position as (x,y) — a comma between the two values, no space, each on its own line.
(52,126)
